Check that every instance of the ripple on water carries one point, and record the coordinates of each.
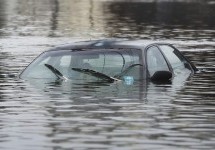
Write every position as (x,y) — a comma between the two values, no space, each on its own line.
(64,115)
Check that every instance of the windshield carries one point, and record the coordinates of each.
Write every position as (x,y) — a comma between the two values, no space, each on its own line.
(108,62)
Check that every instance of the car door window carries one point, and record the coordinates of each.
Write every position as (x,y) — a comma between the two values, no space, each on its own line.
(177,62)
(156,61)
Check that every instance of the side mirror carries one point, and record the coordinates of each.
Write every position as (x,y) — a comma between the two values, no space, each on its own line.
(161,76)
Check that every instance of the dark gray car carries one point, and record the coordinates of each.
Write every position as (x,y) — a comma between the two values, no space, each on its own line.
(110,60)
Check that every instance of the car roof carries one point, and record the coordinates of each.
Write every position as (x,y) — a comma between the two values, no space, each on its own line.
(108,44)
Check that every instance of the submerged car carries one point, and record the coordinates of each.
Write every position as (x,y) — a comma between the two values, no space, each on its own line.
(110,60)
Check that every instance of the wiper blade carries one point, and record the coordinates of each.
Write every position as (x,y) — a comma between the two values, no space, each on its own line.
(127,70)
(96,74)
(56,72)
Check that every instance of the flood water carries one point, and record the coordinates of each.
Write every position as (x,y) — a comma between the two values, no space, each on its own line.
(72,115)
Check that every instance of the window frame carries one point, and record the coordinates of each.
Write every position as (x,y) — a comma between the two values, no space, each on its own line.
(164,57)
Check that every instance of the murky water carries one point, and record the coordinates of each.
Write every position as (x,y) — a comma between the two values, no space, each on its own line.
(71,115)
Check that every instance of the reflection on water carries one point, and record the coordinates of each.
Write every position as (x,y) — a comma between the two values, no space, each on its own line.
(2,16)
(163,20)
(63,115)
(96,19)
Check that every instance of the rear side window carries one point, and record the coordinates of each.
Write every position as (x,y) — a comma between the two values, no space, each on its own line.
(174,57)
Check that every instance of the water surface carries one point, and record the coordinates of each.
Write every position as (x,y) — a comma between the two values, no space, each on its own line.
(64,115)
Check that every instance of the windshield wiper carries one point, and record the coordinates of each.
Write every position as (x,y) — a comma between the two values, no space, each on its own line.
(56,72)
(126,70)
(96,74)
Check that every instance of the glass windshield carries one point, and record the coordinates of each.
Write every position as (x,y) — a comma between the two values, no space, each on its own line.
(109,62)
